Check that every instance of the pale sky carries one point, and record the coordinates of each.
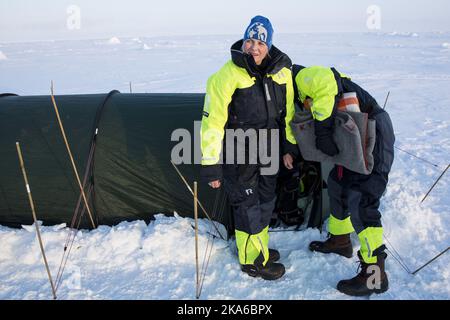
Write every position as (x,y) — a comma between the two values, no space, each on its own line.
(24,20)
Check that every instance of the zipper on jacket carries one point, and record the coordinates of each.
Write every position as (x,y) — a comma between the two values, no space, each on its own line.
(267,99)
(267,91)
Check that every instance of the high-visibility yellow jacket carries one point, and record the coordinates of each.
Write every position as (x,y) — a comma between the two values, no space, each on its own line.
(324,87)
(239,95)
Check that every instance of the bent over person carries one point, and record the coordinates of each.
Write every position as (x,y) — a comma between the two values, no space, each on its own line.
(354,197)
(252,91)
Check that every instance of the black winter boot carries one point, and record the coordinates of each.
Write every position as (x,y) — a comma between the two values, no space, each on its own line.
(271,271)
(274,255)
(341,245)
(366,281)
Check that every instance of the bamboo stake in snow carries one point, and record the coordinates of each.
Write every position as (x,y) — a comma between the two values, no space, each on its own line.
(199,203)
(71,158)
(30,198)
(197,291)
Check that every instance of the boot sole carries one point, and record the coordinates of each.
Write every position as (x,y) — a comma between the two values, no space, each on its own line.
(271,278)
(383,289)
(344,254)
(365,293)
(263,276)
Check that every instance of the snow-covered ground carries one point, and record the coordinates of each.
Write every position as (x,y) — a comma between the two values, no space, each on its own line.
(156,261)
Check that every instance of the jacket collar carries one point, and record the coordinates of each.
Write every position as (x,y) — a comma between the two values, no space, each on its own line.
(277,61)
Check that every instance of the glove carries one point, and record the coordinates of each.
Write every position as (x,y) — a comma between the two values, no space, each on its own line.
(327,145)
(211,172)
(290,148)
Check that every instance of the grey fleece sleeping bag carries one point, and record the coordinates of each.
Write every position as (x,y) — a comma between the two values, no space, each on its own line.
(354,135)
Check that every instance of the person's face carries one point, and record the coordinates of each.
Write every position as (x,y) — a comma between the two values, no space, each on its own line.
(308,104)
(257,49)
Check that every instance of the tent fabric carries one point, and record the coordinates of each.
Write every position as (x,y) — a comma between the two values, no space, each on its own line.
(130,175)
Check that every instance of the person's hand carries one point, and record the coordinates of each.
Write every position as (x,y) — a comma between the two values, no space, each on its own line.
(214,184)
(288,160)
(327,145)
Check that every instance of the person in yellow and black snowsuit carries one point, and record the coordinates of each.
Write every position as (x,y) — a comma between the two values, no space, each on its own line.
(253,90)
(354,197)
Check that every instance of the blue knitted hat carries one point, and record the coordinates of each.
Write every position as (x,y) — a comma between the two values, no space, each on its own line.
(261,29)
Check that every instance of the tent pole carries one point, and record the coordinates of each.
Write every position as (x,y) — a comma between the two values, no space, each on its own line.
(197,293)
(413,155)
(30,198)
(430,261)
(385,101)
(71,157)
(435,183)
(199,203)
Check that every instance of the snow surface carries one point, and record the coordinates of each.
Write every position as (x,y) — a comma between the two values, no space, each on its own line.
(3,56)
(156,261)
(114,40)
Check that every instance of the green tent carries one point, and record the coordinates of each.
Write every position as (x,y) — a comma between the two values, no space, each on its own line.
(122,148)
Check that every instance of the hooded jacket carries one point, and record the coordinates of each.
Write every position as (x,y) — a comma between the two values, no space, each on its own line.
(325,87)
(244,96)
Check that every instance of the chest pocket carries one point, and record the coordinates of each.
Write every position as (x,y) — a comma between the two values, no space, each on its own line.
(248,106)
(279,99)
